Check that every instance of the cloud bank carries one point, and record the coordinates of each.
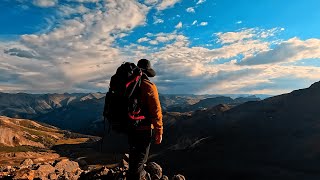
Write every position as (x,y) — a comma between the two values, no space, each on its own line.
(82,49)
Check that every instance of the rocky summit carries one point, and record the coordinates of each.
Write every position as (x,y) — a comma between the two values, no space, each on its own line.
(73,170)
(32,150)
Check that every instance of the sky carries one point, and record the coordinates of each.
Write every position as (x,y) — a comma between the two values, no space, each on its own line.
(195,46)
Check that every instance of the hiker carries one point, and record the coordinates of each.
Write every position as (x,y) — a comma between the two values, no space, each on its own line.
(132,108)
(140,138)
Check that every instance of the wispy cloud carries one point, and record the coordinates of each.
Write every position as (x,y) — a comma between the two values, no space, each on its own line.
(179,25)
(288,51)
(144,39)
(45,3)
(153,42)
(157,20)
(201,1)
(203,24)
(190,10)
(151,2)
(194,22)
(231,37)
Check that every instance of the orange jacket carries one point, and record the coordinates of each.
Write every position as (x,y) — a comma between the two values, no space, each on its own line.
(150,100)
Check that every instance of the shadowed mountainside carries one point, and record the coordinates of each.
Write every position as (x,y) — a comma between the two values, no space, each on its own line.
(276,138)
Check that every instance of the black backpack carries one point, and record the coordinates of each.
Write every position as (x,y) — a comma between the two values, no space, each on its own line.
(122,103)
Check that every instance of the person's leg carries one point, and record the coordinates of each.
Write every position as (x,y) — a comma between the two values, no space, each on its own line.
(139,142)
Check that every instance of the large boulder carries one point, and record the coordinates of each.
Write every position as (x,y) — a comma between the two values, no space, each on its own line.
(66,165)
(44,171)
(25,173)
(26,162)
(154,170)
(178,177)
(164,177)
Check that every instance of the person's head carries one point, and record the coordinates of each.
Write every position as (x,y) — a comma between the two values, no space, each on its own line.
(145,66)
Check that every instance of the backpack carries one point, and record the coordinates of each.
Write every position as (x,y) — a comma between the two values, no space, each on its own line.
(122,103)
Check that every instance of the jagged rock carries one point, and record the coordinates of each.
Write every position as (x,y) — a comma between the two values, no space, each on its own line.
(178,177)
(97,173)
(154,169)
(35,166)
(164,177)
(126,157)
(71,175)
(6,169)
(25,173)
(103,171)
(53,176)
(124,164)
(44,170)
(26,162)
(67,166)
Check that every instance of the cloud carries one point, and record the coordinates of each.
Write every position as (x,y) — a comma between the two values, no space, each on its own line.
(153,42)
(68,10)
(165,38)
(231,37)
(203,24)
(21,53)
(201,1)
(77,49)
(179,25)
(288,51)
(84,1)
(194,22)
(270,32)
(239,22)
(190,10)
(184,69)
(167,4)
(157,20)
(45,3)
(83,47)
(144,39)
(151,2)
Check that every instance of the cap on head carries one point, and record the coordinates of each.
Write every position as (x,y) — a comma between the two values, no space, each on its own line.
(145,66)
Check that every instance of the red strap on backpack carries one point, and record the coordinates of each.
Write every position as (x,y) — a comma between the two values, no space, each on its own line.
(136,118)
(134,80)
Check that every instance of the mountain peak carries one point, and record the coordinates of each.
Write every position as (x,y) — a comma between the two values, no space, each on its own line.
(315,85)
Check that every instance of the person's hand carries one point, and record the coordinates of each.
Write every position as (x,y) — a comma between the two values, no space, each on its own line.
(158,139)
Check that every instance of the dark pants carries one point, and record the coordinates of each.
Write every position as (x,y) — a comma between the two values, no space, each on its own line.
(139,146)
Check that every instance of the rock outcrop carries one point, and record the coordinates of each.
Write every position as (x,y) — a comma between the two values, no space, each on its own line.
(68,169)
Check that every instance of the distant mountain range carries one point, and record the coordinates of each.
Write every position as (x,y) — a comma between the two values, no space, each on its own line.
(211,102)
(81,112)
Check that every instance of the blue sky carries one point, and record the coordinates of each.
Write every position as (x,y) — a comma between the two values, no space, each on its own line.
(196,46)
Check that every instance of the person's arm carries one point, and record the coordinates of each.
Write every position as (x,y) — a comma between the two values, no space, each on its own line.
(154,111)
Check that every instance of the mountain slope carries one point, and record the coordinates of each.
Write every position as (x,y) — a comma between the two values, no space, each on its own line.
(276,138)
(19,133)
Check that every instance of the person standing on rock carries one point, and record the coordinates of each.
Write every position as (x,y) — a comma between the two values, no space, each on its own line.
(140,138)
